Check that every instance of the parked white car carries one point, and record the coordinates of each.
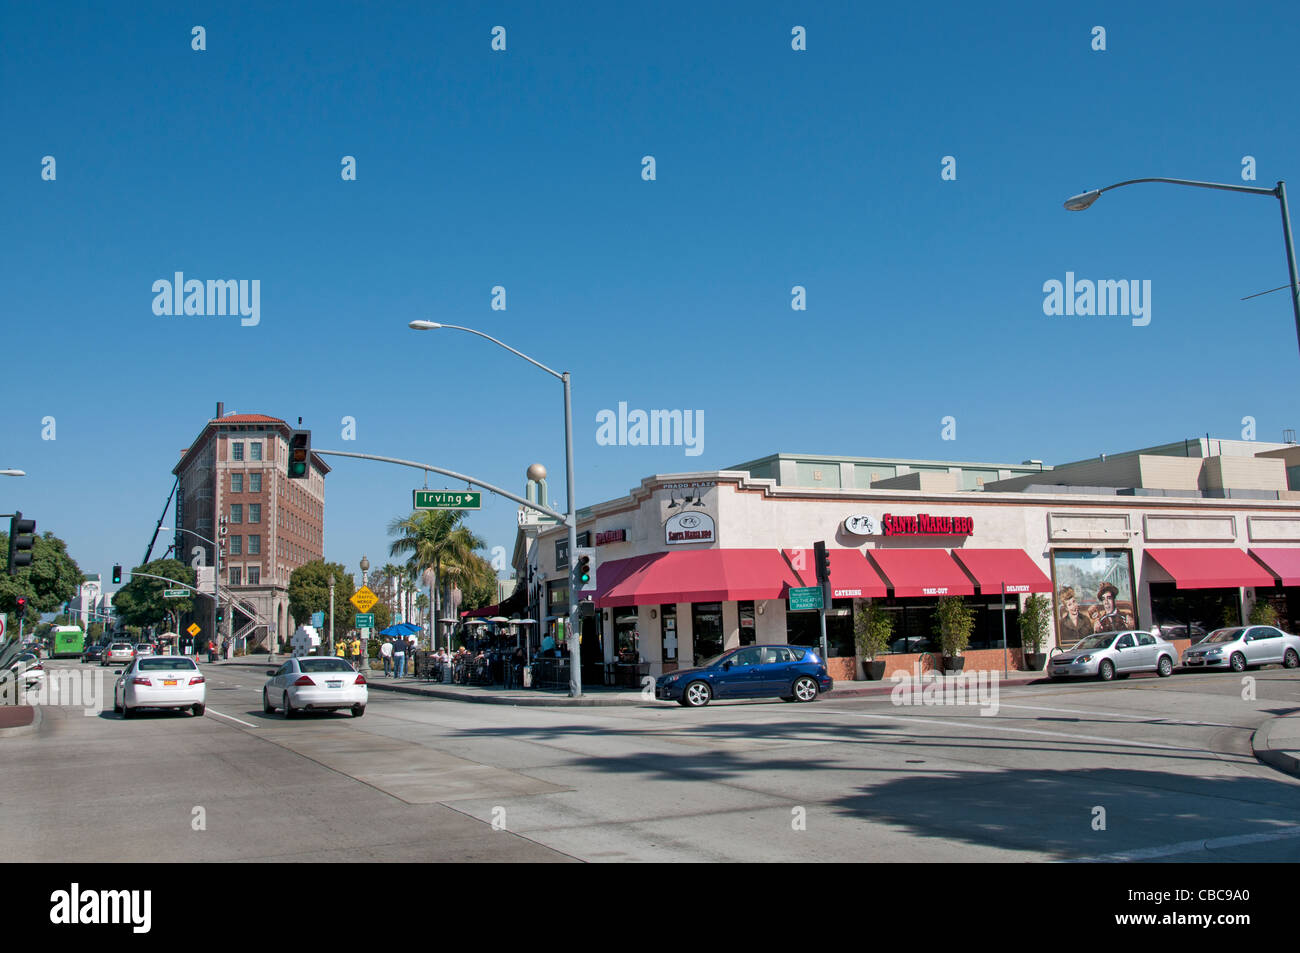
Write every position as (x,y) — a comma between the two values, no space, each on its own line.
(1108,655)
(28,667)
(160,681)
(1240,647)
(317,683)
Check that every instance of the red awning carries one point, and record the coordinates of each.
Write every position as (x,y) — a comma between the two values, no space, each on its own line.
(1283,563)
(700,575)
(993,567)
(851,575)
(483,613)
(922,572)
(1211,568)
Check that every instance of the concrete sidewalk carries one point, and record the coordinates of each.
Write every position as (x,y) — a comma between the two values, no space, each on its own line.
(592,695)
(1277,743)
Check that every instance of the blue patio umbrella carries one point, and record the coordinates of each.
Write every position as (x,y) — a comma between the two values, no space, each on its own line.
(401,630)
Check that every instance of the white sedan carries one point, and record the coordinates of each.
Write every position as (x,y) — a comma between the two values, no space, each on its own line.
(317,683)
(160,681)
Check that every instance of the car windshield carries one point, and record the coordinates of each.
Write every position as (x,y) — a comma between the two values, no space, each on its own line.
(119,647)
(1096,641)
(162,663)
(715,661)
(1223,635)
(324,665)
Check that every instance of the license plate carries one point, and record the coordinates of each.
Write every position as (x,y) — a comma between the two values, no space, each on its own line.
(169,681)
(335,683)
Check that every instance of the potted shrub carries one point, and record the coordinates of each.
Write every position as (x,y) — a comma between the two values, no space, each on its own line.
(872,630)
(1033,631)
(953,622)
(1263,613)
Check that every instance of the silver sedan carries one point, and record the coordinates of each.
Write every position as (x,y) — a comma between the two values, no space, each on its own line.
(1240,646)
(1108,655)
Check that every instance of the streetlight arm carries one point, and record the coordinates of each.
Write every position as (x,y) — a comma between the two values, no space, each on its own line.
(456,327)
(1254,190)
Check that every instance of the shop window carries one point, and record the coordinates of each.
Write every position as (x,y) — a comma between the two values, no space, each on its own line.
(668,632)
(1193,613)
(748,628)
(627,640)
(706,630)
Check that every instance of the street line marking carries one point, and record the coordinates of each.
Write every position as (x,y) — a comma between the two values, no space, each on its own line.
(1189,846)
(1024,731)
(1116,714)
(213,711)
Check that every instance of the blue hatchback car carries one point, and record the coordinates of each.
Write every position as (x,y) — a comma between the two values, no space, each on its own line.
(788,672)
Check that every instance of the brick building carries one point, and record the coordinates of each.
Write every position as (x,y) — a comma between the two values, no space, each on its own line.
(234,488)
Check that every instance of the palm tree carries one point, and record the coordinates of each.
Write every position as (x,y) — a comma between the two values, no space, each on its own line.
(432,540)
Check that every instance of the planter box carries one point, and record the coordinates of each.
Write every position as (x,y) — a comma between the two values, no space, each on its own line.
(873,671)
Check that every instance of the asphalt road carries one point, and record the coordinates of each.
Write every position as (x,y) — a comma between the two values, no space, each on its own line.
(1145,769)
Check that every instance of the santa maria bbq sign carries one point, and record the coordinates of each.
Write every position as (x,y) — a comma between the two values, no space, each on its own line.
(922,524)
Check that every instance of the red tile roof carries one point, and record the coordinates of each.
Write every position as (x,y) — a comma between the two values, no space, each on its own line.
(246,419)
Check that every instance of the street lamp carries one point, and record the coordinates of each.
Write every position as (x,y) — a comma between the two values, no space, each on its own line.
(571,515)
(1077,203)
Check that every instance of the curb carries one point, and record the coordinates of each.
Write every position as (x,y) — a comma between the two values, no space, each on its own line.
(1285,761)
(20,730)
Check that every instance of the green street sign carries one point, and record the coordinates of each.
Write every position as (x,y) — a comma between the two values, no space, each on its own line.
(447,500)
(175,593)
(807,597)
(365,620)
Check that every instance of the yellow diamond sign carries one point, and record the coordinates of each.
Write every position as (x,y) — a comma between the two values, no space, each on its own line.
(364,599)
(194,629)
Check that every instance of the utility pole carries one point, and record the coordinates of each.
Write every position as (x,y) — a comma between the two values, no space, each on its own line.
(331,652)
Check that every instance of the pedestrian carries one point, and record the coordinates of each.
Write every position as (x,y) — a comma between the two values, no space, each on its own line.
(341,650)
(386,653)
(212,650)
(356,653)
(399,658)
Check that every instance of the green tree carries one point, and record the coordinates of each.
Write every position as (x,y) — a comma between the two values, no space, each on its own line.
(477,581)
(141,601)
(1034,620)
(953,623)
(50,581)
(434,540)
(309,591)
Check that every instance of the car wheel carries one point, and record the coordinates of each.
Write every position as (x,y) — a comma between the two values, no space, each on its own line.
(787,698)
(682,702)
(288,708)
(1106,670)
(805,689)
(126,711)
(198,710)
(358,711)
(117,709)
(267,707)
(1290,659)
(1238,662)
(697,695)
(1166,667)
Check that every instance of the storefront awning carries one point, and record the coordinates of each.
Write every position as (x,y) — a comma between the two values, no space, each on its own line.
(483,613)
(701,575)
(1211,568)
(852,577)
(1283,563)
(922,572)
(993,567)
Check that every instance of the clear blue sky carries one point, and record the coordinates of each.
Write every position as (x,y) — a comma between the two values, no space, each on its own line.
(523,169)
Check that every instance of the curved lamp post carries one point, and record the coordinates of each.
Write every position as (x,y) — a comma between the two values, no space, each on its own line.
(571,517)
(1078,203)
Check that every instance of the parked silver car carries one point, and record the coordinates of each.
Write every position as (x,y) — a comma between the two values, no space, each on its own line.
(1108,655)
(1244,645)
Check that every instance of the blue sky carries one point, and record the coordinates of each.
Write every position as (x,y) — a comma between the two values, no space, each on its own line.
(775,168)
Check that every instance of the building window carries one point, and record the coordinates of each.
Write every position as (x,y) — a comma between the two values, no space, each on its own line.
(236,545)
(254,545)
(255,450)
(255,483)
(234,576)
(748,630)
(255,512)
(236,512)
(236,483)
(237,451)
(254,575)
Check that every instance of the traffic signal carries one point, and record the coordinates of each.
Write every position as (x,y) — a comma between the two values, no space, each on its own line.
(22,606)
(299,454)
(584,576)
(21,541)
(117,575)
(221,613)
(823,561)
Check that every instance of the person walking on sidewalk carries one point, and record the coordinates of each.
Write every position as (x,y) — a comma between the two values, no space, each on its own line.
(356,653)
(386,653)
(399,658)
